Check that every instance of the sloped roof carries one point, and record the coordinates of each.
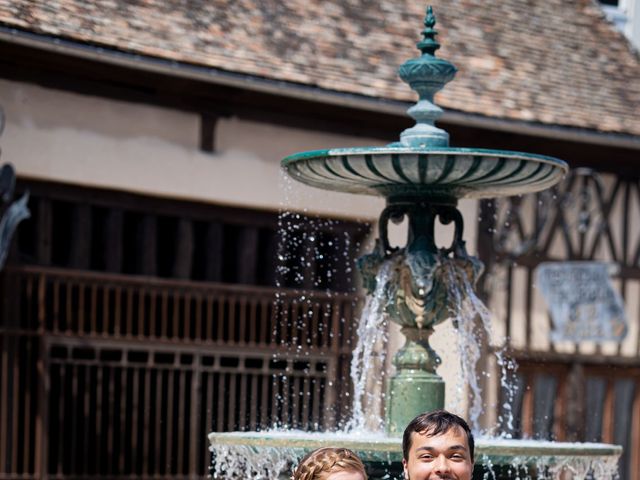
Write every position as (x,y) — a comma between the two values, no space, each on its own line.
(555,62)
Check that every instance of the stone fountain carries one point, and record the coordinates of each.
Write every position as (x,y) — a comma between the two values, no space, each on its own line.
(422,178)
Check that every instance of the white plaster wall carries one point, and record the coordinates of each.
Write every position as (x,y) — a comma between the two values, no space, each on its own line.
(91,141)
(84,140)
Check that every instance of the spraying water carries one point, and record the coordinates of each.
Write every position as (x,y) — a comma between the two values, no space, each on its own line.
(472,320)
(473,323)
(367,362)
(272,455)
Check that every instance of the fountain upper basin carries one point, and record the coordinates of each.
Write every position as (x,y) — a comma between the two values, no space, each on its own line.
(435,173)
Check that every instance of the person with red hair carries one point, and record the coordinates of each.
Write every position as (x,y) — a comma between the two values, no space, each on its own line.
(330,464)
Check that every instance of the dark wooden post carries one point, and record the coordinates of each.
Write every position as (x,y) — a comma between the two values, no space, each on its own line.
(184,249)
(42,440)
(113,246)
(575,408)
(486,253)
(208,132)
(213,252)
(247,255)
(147,246)
(80,252)
(271,258)
(44,228)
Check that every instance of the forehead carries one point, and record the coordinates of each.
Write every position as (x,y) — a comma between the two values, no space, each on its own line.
(345,475)
(454,436)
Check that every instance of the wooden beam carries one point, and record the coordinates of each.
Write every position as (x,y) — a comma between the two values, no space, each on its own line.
(635,431)
(208,132)
(573,412)
(607,412)
(135,203)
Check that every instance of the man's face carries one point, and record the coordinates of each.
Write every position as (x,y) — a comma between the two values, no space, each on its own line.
(444,456)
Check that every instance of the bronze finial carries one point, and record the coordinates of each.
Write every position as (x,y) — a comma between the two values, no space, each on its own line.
(428,45)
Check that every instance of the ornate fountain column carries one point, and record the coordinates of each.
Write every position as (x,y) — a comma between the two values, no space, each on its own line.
(417,296)
(413,299)
(422,179)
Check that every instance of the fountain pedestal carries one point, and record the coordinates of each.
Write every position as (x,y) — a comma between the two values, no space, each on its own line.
(415,387)
(416,294)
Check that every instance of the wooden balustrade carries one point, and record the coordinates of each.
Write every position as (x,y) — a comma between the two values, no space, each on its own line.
(64,302)
(109,376)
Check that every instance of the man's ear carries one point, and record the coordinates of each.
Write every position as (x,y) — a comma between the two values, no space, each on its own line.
(404,468)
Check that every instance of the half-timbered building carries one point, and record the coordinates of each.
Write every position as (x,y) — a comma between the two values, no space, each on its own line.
(150,298)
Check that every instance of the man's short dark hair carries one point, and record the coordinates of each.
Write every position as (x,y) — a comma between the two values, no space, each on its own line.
(435,423)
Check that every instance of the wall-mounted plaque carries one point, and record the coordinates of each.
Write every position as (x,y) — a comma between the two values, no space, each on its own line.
(583,303)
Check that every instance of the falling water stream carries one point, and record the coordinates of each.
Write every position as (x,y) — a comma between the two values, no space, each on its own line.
(472,320)
(368,360)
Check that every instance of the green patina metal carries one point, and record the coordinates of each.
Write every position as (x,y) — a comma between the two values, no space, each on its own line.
(426,75)
(438,175)
(418,299)
(412,390)
(422,179)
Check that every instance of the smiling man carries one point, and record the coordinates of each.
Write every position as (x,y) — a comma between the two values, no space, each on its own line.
(437,445)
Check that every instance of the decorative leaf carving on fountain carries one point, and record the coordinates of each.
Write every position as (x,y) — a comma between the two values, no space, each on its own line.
(417,295)
(441,73)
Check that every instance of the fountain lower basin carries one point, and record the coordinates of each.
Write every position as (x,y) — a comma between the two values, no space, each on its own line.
(290,445)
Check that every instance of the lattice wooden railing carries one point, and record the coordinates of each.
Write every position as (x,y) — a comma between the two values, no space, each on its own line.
(109,375)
